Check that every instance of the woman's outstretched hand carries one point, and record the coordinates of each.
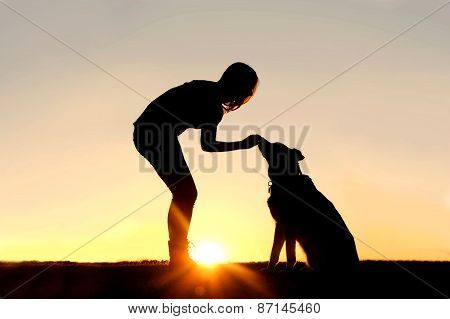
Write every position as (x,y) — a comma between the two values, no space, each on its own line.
(210,144)
(252,140)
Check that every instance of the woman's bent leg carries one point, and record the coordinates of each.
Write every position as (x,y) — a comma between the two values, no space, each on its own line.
(162,149)
(173,170)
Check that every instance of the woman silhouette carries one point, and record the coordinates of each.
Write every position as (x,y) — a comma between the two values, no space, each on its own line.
(199,105)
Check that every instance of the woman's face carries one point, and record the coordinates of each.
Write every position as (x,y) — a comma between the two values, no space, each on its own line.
(236,102)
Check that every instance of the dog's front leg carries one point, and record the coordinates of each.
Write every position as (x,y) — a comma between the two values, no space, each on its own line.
(278,242)
(290,252)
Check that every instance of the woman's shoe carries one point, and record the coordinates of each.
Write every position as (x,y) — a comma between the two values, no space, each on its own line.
(179,255)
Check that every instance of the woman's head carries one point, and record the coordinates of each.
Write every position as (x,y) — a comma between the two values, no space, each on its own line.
(238,82)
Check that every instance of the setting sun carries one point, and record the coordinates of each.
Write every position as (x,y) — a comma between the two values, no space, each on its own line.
(208,253)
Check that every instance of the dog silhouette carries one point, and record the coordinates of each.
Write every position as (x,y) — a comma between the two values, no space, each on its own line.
(304,215)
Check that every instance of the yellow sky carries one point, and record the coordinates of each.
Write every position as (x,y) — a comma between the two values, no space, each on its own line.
(378,144)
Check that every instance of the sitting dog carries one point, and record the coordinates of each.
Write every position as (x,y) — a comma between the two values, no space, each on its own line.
(304,215)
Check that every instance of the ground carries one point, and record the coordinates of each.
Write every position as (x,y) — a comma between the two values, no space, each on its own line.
(152,279)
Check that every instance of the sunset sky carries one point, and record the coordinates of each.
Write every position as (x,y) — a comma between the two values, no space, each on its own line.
(378,143)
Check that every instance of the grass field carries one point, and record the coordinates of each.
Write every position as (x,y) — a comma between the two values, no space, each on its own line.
(152,279)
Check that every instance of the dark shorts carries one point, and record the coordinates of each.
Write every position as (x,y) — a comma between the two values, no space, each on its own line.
(160,146)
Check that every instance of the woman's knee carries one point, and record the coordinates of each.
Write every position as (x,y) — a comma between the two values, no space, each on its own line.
(186,195)
(191,195)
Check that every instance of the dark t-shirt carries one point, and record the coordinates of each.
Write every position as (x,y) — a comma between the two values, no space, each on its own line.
(191,105)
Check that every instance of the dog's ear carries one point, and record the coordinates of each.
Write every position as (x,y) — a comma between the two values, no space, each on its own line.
(299,154)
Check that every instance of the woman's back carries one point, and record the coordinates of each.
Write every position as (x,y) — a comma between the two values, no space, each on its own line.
(190,105)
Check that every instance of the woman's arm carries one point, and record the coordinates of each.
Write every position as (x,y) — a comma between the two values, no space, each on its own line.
(209,142)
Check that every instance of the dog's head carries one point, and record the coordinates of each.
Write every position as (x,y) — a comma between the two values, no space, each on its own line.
(282,160)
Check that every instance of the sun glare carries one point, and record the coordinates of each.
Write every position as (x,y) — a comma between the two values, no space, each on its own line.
(208,253)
